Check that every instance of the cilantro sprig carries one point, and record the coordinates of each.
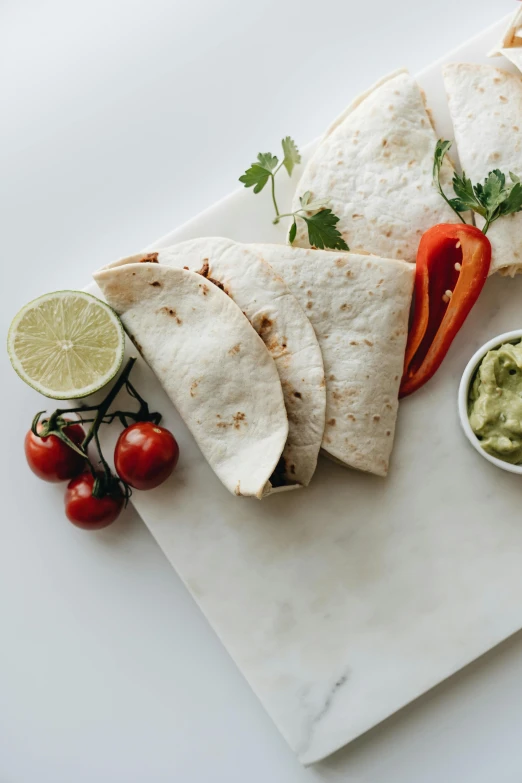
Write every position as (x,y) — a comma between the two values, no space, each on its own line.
(492,199)
(321,221)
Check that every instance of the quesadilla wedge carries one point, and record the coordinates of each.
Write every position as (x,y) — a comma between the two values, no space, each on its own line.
(375,166)
(211,363)
(359,307)
(486,108)
(280,321)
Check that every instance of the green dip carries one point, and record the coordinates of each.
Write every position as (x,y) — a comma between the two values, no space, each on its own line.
(495,403)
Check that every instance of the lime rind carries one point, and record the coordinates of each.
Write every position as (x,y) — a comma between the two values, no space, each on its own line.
(86,327)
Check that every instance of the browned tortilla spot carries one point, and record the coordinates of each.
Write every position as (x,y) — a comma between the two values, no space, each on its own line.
(376,417)
(237,490)
(369,342)
(172,313)
(235,349)
(265,325)
(298,395)
(331,422)
(238,418)
(150,258)
(193,387)
(156,284)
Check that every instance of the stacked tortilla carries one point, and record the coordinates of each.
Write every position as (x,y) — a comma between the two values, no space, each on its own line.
(331,326)
(357,307)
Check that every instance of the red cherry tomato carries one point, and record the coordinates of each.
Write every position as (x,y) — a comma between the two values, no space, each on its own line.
(50,458)
(145,455)
(88,512)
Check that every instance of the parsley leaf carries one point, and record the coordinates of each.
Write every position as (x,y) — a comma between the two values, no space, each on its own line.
(466,197)
(291,154)
(513,202)
(491,199)
(441,148)
(308,203)
(322,232)
(292,233)
(259,172)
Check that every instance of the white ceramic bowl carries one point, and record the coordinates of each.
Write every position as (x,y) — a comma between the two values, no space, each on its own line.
(463,398)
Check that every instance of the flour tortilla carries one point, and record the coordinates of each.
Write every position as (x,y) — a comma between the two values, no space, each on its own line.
(279,319)
(511,43)
(211,363)
(486,109)
(375,165)
(359,307)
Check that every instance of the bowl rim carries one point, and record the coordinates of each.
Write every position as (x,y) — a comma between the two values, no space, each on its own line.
(464,385)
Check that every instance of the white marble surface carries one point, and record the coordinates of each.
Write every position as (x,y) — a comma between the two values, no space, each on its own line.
(108,671)
(342,603)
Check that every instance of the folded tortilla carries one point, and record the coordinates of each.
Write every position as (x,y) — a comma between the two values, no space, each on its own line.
(211,363)
(511,43)
(359,307)
(486,108)
(375,165)
(280,321)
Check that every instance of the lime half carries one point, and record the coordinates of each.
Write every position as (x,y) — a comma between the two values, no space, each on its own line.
(66,344)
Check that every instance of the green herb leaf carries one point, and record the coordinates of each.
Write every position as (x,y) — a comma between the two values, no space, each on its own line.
(291,154)
(292,233)
(491,199)
(441,149)
(322,232)
(513,202)
(467,198)
(309,204)
(259,172)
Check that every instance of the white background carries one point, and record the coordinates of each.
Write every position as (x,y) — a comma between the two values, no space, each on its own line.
(120,120)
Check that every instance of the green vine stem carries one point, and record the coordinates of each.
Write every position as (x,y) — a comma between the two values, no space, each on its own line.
(56,425)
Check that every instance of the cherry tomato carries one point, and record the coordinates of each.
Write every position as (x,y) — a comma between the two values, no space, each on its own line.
(50,458)
(145,455)
(88,512)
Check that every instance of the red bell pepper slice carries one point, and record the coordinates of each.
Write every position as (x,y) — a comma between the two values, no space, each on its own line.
(452,266)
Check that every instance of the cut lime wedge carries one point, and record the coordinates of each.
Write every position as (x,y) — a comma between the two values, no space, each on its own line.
(66,344)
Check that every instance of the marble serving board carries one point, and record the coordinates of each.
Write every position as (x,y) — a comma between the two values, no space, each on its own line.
(343,602)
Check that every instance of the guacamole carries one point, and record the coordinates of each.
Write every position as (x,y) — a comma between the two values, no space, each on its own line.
(495,403)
